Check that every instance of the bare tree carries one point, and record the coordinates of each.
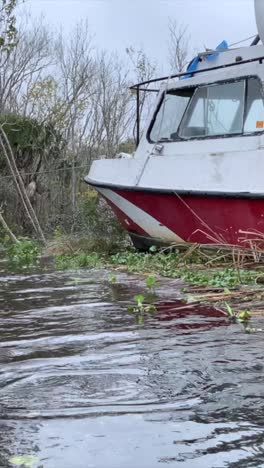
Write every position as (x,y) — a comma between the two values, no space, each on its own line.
(112,104)
(81,96)
(178,46)
(143,70)
(76,71)
(23,65)
(76,76)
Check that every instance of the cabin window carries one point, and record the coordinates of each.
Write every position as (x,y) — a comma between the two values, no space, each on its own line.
(214,111)
(169,115)
(254,117)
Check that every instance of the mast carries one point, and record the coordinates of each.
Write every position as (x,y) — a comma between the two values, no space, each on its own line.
(259,13)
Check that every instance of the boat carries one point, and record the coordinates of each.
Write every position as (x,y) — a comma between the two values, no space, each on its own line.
(197,175)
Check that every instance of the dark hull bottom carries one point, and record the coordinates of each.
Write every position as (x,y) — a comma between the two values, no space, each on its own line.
(143,243)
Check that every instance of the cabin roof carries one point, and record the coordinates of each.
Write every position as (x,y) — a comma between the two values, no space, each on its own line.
(250,69)
(231,63)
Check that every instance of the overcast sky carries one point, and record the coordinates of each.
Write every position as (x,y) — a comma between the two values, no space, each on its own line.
(121,23)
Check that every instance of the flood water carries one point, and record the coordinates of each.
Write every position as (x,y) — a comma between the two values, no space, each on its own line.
(84,385)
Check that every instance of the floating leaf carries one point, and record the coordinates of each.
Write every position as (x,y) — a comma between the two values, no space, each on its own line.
(27,461)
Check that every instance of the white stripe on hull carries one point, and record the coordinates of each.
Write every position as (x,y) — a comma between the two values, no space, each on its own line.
(149,224)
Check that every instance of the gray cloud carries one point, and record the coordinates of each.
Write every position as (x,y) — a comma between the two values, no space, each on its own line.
(120,23)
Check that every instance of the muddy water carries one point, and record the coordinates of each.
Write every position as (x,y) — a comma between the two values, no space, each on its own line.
(82,384)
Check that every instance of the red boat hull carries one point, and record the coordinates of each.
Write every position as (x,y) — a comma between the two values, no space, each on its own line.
(237,221)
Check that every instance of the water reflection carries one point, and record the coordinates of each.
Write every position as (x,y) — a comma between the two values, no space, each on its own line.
(189,317)
(83,385)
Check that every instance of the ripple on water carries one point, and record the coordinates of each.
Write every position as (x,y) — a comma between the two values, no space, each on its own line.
(83,384)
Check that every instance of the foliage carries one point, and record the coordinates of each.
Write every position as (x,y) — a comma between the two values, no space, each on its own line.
(27,461)
(172,266)
(167,265)
(237,316)
(30,140)
(73,262)
(94,217)
(127,146)
(112,278)
(140,308)
(8,31)
(244,316)
(24,253)
(151,283)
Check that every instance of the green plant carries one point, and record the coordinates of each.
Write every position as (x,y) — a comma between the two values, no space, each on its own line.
(230,311)
(27,461)
(139,300)
(171,265)
(95,217)
(24,253)
(151,283)
(112,278)
(244,316)
(82,260)
(30,140)
(237,316)
(8,31)
(140,308)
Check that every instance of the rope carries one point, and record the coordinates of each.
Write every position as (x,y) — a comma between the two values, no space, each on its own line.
(44,172)
(243,40)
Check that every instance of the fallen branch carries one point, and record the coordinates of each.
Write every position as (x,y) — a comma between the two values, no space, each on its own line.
(9,156)
(8,230)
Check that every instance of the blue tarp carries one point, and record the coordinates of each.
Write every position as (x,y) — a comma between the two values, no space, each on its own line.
(193,66)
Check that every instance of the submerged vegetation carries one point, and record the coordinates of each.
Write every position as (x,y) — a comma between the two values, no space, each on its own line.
(228,279)
(215,278)
(141,308)
(171,265)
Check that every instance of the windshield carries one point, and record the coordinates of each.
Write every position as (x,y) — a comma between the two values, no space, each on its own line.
(215,110)
(169,115)
(220,109)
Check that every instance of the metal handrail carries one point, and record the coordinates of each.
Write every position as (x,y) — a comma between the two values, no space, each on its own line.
(195,72)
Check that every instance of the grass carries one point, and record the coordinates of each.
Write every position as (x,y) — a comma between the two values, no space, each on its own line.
(81,260)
